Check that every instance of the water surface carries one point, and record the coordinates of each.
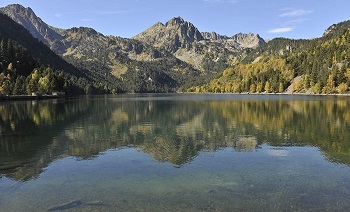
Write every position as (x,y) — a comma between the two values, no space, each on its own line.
(175,152)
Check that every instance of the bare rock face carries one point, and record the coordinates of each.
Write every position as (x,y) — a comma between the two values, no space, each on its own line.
(238,41)
(38,28)
(184,40)
(249,40)
(214,36)
(27,18)
(171,36)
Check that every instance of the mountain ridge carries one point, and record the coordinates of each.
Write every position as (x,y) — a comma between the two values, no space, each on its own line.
(176,54)
(205,51)
(35,25)
(177,36)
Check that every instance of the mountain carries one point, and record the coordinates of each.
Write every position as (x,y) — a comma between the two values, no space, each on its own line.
(208,52)
(238,41)
(315,66)
(183,52)
(38,28)
(283,47)
(21,53)
(118,59)
(176,55)
(176,33)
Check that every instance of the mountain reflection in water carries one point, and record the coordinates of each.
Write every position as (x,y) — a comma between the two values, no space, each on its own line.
(170,128)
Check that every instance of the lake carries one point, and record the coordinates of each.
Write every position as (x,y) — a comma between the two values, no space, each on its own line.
(176,152)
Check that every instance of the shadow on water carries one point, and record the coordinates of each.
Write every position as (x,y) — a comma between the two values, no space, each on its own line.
(172,129)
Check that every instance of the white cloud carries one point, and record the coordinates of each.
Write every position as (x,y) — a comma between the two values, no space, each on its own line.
(58,15)
(281,30)
(295,13)
(294,17)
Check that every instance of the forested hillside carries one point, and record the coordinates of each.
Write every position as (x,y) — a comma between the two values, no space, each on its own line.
(27,65)
(304,66)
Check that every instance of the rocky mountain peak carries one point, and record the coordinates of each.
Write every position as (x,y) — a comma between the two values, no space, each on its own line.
(20,14)
(249,40)
(238,41)
(18,8)
(177,21)
(158,24)
(15,7)
(29,20)
(171,36)
(185,30)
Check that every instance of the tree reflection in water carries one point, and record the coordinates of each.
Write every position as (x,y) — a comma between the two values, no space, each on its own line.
(33,134)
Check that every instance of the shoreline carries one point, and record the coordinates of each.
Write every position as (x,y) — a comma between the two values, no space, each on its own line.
(29,97)
(296,94)
(47,97)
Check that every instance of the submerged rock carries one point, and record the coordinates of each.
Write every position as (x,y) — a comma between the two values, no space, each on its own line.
(66,206)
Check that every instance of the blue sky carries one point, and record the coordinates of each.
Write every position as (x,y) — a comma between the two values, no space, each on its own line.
(126,18)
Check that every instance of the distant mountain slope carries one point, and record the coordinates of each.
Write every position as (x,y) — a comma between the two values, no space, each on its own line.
(208,52)
(320,65)
(284,47)
(32,53)
(238,41)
